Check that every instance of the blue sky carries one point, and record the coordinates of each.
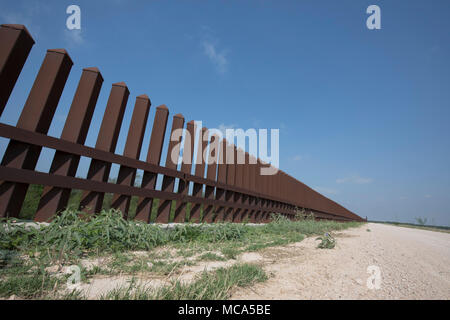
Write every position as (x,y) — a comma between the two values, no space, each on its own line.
(363,114)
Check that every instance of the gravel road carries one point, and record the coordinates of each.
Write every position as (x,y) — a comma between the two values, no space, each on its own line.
(412,264)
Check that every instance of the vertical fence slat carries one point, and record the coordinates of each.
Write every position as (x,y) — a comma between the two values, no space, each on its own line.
(199,172)
(91,202)
(288,191)
(263,193)
(267,193)
(16,45)
(133,146)
(211,175)
(246,185)
(231,176)
(256,187)
(252,186)
(76,127)
(36,115)
(221,178)
(144,206)
(239,182)
(276,204)
(258,212)
(278,190)
(186,166)
(168,184)
(270,188)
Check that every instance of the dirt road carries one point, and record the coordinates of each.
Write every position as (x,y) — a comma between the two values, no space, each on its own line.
(412,264)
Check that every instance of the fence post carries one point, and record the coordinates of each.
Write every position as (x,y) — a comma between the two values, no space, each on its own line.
(231,178)
(164,206)
(132,150)
(239,182)
(244,185)
(258,201)
(76,127)
(91,202)
(36,115)
(213,155)
(16,45)
(194,215)
(221,178)
(252,186)
(263,200)
(144,206)
(186,166)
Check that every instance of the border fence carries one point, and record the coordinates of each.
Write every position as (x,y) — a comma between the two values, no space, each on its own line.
(217,191)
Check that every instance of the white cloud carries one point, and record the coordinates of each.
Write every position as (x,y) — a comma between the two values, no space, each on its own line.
(297,157)
(219,59)
(73,37)
(428,196)
(326,190)
(355,179)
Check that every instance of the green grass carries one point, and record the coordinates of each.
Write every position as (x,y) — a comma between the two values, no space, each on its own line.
(28,286)
(25,252)
(210,256)
(34,194)
(26,279)
(217,285)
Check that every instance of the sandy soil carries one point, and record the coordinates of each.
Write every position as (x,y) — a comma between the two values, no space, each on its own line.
(413,264)
(101,285)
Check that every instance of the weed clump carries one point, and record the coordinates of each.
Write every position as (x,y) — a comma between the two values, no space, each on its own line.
(327,242)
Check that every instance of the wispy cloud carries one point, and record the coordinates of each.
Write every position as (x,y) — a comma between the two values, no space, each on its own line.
(354,179)
(218,58)
(297,157)
(428,196)
(73,37)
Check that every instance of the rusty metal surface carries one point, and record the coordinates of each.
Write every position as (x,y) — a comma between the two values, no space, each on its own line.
(246,186)
(197,189)
(92,202)
(16,43)
(77,149)
(221,178)
(133,146)
(231,176)
(75,129)
(36,115)
(211,175)
(144,206)
(239,182)
(168,183)
(186,166)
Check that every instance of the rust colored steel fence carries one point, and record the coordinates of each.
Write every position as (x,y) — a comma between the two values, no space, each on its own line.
(217,191)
